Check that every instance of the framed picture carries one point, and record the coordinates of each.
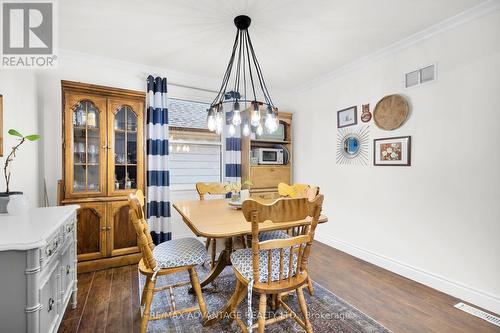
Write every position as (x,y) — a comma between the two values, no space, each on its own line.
(1,125)
(392,151)
(347,117)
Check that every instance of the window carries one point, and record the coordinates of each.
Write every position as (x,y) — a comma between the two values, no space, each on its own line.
(194,157)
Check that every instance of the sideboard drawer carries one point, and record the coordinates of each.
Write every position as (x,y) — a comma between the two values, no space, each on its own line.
(49,300)
(67,271)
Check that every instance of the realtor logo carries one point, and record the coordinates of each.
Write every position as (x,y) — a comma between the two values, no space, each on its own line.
(28,34)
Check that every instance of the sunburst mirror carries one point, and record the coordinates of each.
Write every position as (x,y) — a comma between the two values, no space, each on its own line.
(352,145)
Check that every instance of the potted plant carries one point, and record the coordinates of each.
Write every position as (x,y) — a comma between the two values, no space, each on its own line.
(4,196)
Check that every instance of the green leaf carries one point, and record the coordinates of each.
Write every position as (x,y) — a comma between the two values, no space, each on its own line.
(32,137)
(15,133)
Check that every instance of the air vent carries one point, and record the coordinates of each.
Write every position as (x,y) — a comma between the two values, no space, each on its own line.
(420,76)
(478,313)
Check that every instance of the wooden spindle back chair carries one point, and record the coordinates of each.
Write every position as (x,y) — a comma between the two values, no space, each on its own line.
(292,274)
(213,189)
(148,266)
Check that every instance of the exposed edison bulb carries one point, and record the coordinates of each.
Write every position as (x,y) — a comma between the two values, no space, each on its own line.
(218,123)
(232,130)
(255,118)
(255,115)
(211,122)
(259,130)
(236,118)
(246,130)
(271,123)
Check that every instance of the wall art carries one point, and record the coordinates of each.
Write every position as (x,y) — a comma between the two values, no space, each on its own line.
(391,112)
(352,145)
(1,125)
(366,116)
(347,117)
(392,151)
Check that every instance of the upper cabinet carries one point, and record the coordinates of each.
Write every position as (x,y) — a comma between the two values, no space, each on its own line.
(125,157)
(85,143)
(102,144)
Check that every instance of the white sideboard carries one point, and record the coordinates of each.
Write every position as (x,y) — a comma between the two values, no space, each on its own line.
(37,269)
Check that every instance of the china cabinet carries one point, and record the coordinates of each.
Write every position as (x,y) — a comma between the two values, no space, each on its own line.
(103,161)
(265,178)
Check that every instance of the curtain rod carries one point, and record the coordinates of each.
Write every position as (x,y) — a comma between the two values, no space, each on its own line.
(190,87)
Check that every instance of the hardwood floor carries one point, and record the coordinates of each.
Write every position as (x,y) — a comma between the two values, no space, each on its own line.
(108,301)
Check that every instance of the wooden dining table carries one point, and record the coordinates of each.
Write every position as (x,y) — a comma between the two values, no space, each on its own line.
(216,219)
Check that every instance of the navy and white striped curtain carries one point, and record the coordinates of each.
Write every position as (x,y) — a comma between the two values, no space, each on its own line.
(232,156)
(158,178)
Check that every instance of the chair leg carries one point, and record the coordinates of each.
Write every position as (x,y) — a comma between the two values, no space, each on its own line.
(240,295)
(214,249)
(207,243)
(303,308)
(147,307)
(143,296)
(310,287)
(262,312)
(193,276)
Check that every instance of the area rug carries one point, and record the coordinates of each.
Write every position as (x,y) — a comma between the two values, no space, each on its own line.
(328,313)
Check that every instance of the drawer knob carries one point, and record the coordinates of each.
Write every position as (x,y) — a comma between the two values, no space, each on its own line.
(51,304)
(67,269)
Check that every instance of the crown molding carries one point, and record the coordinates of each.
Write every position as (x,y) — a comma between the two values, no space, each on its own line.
(175,78)
(464,17)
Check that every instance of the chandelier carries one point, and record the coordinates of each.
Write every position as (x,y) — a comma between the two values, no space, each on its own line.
(243,98)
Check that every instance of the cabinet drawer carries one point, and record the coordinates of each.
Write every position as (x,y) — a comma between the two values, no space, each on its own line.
(67,270)
(49,300)
(269,176)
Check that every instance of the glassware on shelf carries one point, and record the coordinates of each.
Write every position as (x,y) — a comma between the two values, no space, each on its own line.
(82,118)
(91,119)
(128,182)
(117,184)
(120,158)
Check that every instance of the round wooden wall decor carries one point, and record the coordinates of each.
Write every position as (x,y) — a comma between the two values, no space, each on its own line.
(391,112)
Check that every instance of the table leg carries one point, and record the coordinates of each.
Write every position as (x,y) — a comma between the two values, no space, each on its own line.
(223,261)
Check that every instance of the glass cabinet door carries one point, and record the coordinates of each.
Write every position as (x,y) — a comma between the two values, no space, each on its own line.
(84,165)
(125,161)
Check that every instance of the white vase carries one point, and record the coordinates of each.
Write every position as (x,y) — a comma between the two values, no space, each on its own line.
(244,194)
(18,205)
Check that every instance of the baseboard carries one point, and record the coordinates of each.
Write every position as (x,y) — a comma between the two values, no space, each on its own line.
(458,290)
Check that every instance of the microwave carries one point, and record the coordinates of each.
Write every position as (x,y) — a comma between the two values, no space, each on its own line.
(268,155)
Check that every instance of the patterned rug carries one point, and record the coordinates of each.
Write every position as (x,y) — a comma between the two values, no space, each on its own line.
(328,313)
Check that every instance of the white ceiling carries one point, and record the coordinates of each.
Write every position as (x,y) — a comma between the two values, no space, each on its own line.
(295,41)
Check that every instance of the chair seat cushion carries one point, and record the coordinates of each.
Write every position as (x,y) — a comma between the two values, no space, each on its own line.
(242,262)
(180,252)
(274,234)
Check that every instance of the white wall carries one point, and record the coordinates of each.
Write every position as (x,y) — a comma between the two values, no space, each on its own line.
(19,112)
(437,221)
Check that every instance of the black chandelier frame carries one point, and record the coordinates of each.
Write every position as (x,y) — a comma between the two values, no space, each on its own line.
(247,66)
